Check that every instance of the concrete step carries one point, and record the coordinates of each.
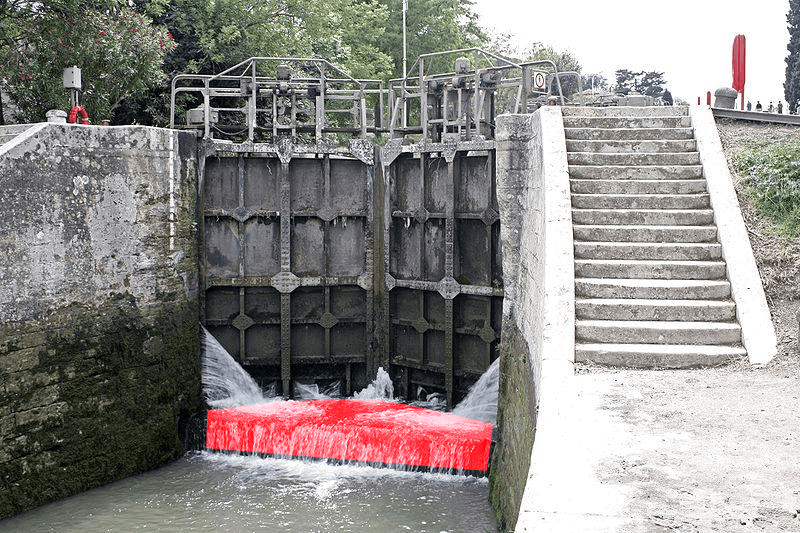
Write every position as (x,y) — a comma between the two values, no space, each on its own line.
(627,122)
(673,289)
(670,234)
(629,146)
(645,217)
(656,332)
(633,159)
(640,201)
(636,172)
(625,111)
(648,250)
(623,134)
(648,269)
(657,355)
(655,309)
(634,186)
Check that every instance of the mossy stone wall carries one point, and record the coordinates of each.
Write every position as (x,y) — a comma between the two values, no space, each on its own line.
(99,340)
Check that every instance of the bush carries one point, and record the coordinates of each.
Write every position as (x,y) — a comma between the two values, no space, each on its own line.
(771,178)
(119,51)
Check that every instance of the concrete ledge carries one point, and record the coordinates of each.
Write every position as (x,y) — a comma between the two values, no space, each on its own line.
(549,501)
(758,332)
(23,137)
(564,493)
(559,276)
(539,305)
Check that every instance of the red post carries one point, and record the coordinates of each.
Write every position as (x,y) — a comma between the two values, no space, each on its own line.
(708,97)
(739,63)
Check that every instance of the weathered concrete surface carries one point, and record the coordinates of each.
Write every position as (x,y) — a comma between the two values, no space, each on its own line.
(536,233)
(758,332)
(98,307)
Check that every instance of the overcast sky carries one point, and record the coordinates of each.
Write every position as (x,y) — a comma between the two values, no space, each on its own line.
(689,40)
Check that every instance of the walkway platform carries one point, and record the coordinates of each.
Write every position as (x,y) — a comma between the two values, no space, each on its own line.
(674,450)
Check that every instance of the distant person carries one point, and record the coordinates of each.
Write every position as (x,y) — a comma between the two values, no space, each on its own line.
(771,108)
(758,105)
(667,97)
(749,105)
(780,108)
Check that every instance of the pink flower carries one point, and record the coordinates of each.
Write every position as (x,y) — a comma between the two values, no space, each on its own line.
(102,33)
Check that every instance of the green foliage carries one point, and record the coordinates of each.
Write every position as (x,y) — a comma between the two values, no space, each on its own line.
(431,26)
(216,34)
(772,179)
(119,51)
(791,87)
(650,83)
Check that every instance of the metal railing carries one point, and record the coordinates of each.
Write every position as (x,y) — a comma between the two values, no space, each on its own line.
(464,102)
(264,98)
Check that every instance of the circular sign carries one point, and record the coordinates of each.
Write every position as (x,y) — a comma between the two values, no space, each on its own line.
(539,80)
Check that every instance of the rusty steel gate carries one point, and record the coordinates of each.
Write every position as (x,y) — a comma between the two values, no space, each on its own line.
(326,255)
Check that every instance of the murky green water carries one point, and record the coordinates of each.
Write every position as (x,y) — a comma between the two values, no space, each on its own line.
(212,492)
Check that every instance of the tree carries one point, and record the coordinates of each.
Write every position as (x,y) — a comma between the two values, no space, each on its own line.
(431,26)
(649,83)
(791,87)
(216,34)
(596,81)
(119,51)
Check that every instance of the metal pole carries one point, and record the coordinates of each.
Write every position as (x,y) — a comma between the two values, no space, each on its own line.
(405,58)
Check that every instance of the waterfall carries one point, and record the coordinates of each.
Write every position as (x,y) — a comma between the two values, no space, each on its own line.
(481,400)
(225,382)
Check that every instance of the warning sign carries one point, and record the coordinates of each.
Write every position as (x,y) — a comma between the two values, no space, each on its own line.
(538,80)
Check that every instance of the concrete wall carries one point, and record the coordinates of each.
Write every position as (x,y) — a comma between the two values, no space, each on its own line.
(536,236)
(752,312)
(99,326)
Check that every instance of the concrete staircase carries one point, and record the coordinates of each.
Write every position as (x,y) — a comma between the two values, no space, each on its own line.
(650,281)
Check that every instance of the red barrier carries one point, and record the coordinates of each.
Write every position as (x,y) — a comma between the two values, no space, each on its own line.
(375,432)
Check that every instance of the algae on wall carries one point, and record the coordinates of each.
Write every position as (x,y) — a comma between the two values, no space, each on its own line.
(99,349)
(516,420)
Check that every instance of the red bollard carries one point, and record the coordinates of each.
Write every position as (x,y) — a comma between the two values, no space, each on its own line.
(708,97)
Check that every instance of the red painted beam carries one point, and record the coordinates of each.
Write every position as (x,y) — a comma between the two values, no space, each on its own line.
(376,432)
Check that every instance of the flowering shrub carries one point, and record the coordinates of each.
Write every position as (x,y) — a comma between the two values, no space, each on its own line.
(772,179)
(119,51)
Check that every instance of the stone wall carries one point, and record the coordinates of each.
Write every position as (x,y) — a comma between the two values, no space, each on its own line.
(536,234)
(99,340)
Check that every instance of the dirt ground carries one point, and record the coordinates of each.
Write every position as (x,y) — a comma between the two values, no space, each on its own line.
(717,449)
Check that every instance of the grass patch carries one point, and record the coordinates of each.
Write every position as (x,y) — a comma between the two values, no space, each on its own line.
(771,178)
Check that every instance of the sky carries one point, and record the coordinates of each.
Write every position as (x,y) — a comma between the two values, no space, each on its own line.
(689,40)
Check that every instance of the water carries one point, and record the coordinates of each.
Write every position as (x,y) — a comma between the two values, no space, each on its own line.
(223,493)
(481,400)
(231,493)
(225,383)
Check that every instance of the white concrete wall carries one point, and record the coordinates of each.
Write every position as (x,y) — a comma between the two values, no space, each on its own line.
(758,332)
(536,231)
